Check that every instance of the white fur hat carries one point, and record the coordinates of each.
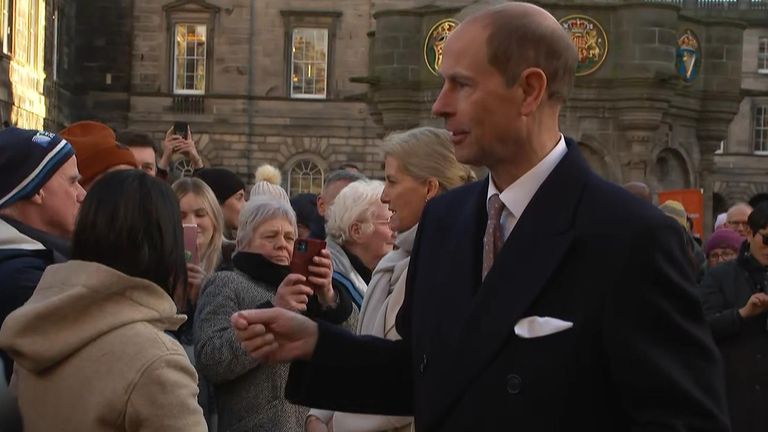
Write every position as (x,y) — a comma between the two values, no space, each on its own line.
(268,181)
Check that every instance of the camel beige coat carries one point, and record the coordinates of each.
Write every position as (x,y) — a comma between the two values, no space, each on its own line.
(92,354)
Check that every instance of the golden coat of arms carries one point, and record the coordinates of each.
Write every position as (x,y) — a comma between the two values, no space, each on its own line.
(434,42)
(590,41)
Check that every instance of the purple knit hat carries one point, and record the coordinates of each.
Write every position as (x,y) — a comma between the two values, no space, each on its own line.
(724,238)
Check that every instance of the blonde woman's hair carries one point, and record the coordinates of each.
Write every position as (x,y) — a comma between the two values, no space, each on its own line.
(427,152)
(211,256)
(355,203)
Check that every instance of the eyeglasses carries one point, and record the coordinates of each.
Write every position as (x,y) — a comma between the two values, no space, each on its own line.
(724,255)
(742,224)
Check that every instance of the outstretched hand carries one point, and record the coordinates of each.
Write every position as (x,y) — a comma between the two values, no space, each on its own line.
(275,334)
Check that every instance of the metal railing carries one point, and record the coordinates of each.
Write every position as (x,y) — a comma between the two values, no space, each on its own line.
(189,104)
(717,4)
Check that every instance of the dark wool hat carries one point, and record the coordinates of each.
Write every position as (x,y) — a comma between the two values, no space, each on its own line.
(305,206)
(28,159)
(724,238)
(223,182)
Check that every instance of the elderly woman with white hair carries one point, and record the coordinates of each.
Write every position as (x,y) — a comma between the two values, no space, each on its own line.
(359,235)
(249,394)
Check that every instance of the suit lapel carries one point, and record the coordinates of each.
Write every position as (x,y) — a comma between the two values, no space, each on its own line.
(528,259)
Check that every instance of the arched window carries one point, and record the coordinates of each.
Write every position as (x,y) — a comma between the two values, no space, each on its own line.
(305,176)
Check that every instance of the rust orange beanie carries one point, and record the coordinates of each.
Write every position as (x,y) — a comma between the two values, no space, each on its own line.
(96,149)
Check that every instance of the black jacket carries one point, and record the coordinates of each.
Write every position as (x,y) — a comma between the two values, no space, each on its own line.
(639,356)
(743,342)
(25,252)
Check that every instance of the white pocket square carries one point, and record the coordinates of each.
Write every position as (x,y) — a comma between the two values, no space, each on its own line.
(534,326)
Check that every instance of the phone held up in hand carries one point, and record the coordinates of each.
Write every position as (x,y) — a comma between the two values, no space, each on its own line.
(190,244)
(181,129)
(303,252)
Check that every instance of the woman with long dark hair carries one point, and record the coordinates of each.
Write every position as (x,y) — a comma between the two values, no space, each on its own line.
(91,346)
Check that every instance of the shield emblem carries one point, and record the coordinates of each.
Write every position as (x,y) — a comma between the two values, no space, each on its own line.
(688,59)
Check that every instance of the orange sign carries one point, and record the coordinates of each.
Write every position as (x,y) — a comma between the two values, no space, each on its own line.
(693,201)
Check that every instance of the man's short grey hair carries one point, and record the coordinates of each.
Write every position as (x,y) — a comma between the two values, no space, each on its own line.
(342,175)
(355,203)
(257,211)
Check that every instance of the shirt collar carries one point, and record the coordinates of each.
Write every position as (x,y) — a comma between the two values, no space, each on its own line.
(517,195)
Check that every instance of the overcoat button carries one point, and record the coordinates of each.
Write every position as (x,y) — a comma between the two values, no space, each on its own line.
(514,384)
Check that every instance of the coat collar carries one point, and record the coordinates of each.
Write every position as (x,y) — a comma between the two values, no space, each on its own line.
(17,235)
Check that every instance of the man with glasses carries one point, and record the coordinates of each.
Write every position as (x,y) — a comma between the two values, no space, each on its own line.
(735,298)
(736,218)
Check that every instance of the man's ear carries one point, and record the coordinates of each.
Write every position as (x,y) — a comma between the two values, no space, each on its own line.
(533,83)
(38,197)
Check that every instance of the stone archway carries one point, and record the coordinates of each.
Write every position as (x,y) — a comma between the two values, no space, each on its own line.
(670,170)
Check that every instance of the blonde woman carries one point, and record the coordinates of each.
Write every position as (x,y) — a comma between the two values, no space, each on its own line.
(419,164)
(198,207)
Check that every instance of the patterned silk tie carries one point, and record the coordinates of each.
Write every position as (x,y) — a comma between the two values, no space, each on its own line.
(493,239)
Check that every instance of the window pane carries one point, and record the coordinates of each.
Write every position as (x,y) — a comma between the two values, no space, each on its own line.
(309,62)
(190,51)
(305,177)
(761,128)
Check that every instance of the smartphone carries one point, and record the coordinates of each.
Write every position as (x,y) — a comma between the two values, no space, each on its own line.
(303,252)
(181,128)
(190,244)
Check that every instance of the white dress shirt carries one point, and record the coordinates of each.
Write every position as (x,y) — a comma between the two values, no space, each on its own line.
(517,195)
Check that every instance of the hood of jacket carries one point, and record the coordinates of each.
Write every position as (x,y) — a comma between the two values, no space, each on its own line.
(76,303)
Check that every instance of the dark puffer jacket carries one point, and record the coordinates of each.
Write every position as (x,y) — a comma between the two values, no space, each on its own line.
(25,252)
(743,342)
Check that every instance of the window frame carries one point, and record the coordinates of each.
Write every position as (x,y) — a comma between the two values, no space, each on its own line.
(762,55)
(6,23)
(193,12)
(174,61)
(321,20)
(315,165)
(760,130)
(293,95)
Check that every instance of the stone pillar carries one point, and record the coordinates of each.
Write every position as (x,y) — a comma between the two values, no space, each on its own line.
(720,99)
(635,158)
(639,121)
(396,67)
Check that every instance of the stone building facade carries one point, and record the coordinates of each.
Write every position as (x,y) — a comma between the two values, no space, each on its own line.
(310,84)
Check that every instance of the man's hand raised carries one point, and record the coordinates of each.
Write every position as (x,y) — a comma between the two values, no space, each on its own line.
(275,334)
